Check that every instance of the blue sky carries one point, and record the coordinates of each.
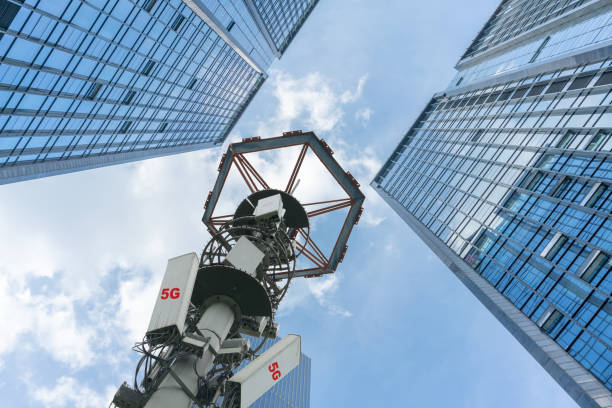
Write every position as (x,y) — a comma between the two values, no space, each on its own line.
(81,255)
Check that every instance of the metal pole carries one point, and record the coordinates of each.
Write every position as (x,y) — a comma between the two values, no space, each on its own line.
(215,323)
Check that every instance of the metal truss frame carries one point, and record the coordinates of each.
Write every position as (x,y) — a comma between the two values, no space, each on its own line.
(235,156)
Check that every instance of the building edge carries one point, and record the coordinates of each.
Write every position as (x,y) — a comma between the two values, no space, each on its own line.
(528,35)
(261,26)
(229,129)
(581,385)
(297,28)
(586,55)
(13,174)
(200,9)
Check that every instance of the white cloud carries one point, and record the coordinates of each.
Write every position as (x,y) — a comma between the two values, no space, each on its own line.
(137,298)
(348,96)
(59,334)
(322,286)
(15,317)
(322,289)
(363,115)
(49,321)
(68,391)
(312,96)
(312,100)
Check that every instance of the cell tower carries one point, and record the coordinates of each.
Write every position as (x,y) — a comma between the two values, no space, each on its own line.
(205,304)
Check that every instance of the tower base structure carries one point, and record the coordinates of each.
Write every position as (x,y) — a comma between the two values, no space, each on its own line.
(215,324)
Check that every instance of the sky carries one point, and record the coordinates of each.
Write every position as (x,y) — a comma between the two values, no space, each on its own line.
(82,255)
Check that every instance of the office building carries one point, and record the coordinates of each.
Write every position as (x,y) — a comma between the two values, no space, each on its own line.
(506,175)
(89,83)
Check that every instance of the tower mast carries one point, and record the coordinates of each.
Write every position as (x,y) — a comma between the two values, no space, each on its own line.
(194,342)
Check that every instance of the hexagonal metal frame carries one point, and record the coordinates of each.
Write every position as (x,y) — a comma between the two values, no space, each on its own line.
(235,156)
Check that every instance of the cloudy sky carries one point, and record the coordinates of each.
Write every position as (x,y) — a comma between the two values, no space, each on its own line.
(81,255)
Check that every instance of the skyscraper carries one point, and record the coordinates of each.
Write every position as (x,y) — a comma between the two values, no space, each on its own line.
(506,175)
(292,390)
(89,83)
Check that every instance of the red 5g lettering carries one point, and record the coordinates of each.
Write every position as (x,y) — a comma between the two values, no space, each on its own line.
(273,368)
(173,293)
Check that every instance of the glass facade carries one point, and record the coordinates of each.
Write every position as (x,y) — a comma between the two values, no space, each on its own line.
(292,390)
(514,17)
(590,30)
(234,16)
(87,83)
(510,183)
(283,18)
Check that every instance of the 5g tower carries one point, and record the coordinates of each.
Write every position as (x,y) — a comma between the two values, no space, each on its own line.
(205,305)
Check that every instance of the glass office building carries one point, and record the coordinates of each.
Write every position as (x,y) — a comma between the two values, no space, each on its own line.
(89,83)
(292,390)
(507,176)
